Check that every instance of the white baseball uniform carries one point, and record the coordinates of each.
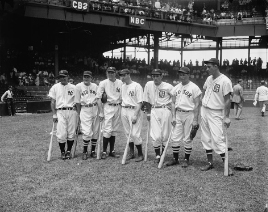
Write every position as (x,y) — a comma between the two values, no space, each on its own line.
(132,95)
(112,108)
(160,98)
(86,96)
(262,96)
(67,116)
(212,112)
(184,106)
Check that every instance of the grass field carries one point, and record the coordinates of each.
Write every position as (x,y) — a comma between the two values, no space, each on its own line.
(30,183)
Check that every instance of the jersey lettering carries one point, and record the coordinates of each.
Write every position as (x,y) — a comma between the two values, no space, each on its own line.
(162,94)
(85,92)
(118,90)
(216,88)
(131,93)
(185,92)
(70,93)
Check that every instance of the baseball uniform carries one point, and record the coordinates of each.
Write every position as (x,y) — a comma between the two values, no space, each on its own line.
(185,96)
(112,111)
(9,101)
(89,117)
(161,117)
(67,116)
(262,96)
(237,99)
(212,113)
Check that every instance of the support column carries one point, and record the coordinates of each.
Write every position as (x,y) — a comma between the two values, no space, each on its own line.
(182,39)
(156,48)
(217,48)
(220,42)
(125,50)
(56,63)
(249,44)
(149,50)
(218,5)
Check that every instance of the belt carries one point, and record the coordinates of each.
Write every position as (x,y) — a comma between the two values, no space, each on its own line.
(130,107)
(90,105)
(66,108)
(113,104)
(164,106)
(185,111)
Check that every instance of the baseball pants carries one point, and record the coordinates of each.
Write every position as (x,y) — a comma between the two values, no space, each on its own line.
(160,125)
(111,120)
(126,114)
(67,123)
(90,122)
(182,130)
(212,130)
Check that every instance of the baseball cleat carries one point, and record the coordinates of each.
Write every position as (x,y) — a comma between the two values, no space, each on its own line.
(173,162)
(84,157)
(68,155)
(130,156)
(63,156)
(185,163)
(207,167)
(93,155)
(112,154)
(139,158)
(103,156)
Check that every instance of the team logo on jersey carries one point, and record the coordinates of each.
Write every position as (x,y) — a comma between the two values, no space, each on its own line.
(85,92)
(131,93)
(162,94)
(216,88)
(70,93)
(118,90)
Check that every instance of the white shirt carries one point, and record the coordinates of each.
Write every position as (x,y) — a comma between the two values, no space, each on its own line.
(215,91)
(85,94)
(9,95)
(185,95)
(261,93)
(112,89)
(132,94)
(157,95)
(63,94)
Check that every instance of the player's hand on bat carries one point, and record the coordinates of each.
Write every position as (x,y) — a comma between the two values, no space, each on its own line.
(134,119)
(55,118)
(227,122)
(173,122)
(195,123)
(101,117)
(148,117)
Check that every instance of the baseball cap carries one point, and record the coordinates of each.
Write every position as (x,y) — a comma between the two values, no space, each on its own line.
(263,82)
(212,60)
(63,73)
(124,71)
(111,69)
(87,73)
(156,72)
(185,70)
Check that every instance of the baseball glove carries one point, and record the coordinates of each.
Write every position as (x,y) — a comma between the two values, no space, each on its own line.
(242,167)
(194,131)
(146,107)
(104,97)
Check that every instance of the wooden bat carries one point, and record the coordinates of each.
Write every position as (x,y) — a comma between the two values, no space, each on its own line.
(165,151)
(126,149)
(226,160)
(99,143)
(50,144)
(146,144)
(76,139)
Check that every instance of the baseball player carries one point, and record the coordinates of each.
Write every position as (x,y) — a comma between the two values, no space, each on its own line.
(110,111)
(238,99)
(64,112)
(186,97)
(261,96)
(158,100)
(9,100)
(132,94)
(87,108)
(215,111)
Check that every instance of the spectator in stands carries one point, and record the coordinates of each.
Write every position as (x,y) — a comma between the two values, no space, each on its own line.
(31,80)
(37,80)
(157,5)
(3,79)
(71,81)
(8,97)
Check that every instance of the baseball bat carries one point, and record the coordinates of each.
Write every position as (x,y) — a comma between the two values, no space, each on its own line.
(147,141)
(165,150)
(226,160)
(126,149)
(50,144)
(99,143)
(76,139)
